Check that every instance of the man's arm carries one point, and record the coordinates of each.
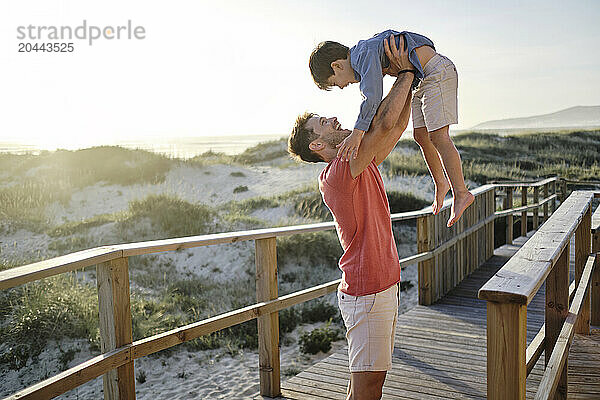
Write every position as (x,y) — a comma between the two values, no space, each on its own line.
(395,133)
(381,133)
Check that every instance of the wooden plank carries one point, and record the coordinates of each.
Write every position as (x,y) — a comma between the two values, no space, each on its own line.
(522,209)
(595,284)
(425,242)
(521,277)
(552,376)
(512,184)
(557,306)
(582,250)
(546,192)
(115,325)
(55,266)
(268,324)
(506,343)
(535,349)
(524,213)
(536,211)
(76,376)
(509,217)
(553,204)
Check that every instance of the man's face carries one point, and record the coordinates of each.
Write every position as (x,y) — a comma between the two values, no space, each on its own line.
(329,130)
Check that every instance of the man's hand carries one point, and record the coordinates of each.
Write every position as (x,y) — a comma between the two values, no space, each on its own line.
(398,57)
(349,147)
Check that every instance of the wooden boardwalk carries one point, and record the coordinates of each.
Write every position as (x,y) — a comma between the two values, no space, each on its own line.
(440,350)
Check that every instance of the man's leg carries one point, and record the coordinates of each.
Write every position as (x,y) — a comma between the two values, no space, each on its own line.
(366,385)
(432,159)
(452,165)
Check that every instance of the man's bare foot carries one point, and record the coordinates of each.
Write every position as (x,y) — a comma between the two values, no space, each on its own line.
(440,194)
(459,205)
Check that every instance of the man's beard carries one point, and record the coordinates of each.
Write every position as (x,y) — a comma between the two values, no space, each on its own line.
(336,138)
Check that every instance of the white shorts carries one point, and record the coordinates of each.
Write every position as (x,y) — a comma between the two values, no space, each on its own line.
(370,328)
(435,103)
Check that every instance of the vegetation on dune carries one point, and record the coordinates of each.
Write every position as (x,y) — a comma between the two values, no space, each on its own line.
(265,151)
(487,157)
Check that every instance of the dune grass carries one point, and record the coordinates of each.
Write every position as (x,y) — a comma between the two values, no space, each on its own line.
(487,157)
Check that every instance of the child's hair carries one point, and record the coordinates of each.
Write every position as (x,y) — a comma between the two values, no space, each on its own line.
(320,61)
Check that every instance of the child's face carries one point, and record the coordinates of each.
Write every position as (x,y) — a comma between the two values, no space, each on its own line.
(343,74)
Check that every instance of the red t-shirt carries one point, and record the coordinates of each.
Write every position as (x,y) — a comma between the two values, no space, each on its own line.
(362,219)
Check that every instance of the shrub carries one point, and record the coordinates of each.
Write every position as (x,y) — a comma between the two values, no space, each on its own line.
(240,189)
(169,215)
(319,339)
(320,248)
(141,376)
(401,202)
(312,207)
(265,151)
(47,310)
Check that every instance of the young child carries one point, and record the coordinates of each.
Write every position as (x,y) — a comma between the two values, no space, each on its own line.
(434,104)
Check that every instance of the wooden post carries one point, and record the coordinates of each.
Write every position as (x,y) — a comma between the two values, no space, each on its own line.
(491,209)
(595,284)
(524,213)
(268,325)
(506,348)
(583,241)
(553,192)
(536,211)
(115,325)
(545,204)
(425,242)
(557,308)
(509,217)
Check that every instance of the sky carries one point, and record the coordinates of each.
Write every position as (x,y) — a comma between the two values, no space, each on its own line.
(211,68)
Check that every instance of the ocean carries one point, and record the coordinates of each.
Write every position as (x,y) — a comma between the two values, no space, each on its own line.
(184,147)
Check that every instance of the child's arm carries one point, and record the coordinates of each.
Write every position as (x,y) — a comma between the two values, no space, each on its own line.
(398,62)
(388,124)
(371,88)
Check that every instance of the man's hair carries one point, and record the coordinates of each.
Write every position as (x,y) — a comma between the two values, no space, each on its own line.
(300,138)
(320,61)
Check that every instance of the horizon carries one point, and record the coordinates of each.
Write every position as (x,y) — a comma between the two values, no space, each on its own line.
(184,80)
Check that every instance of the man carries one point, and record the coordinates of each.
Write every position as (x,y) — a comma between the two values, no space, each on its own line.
(353,190)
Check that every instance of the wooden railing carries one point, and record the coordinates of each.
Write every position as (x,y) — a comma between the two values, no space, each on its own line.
(544,258)
(445,256)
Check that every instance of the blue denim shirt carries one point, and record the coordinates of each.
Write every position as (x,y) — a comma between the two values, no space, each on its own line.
(367,59)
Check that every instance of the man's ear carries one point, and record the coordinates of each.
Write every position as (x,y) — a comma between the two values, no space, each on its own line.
(316,145)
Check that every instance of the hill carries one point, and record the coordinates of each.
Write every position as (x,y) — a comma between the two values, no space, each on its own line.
(578,116)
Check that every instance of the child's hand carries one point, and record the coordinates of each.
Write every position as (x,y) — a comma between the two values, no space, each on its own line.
(398,56)
(349,147)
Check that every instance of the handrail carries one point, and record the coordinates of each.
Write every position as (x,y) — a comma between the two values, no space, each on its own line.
(521,277)
(518,210)
(505,184)
(114,258)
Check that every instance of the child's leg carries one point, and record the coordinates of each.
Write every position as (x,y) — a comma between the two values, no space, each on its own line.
(432,159)
(452,165)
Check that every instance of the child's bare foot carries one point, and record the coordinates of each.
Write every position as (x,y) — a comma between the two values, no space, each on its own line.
(459,205)
(440,194)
